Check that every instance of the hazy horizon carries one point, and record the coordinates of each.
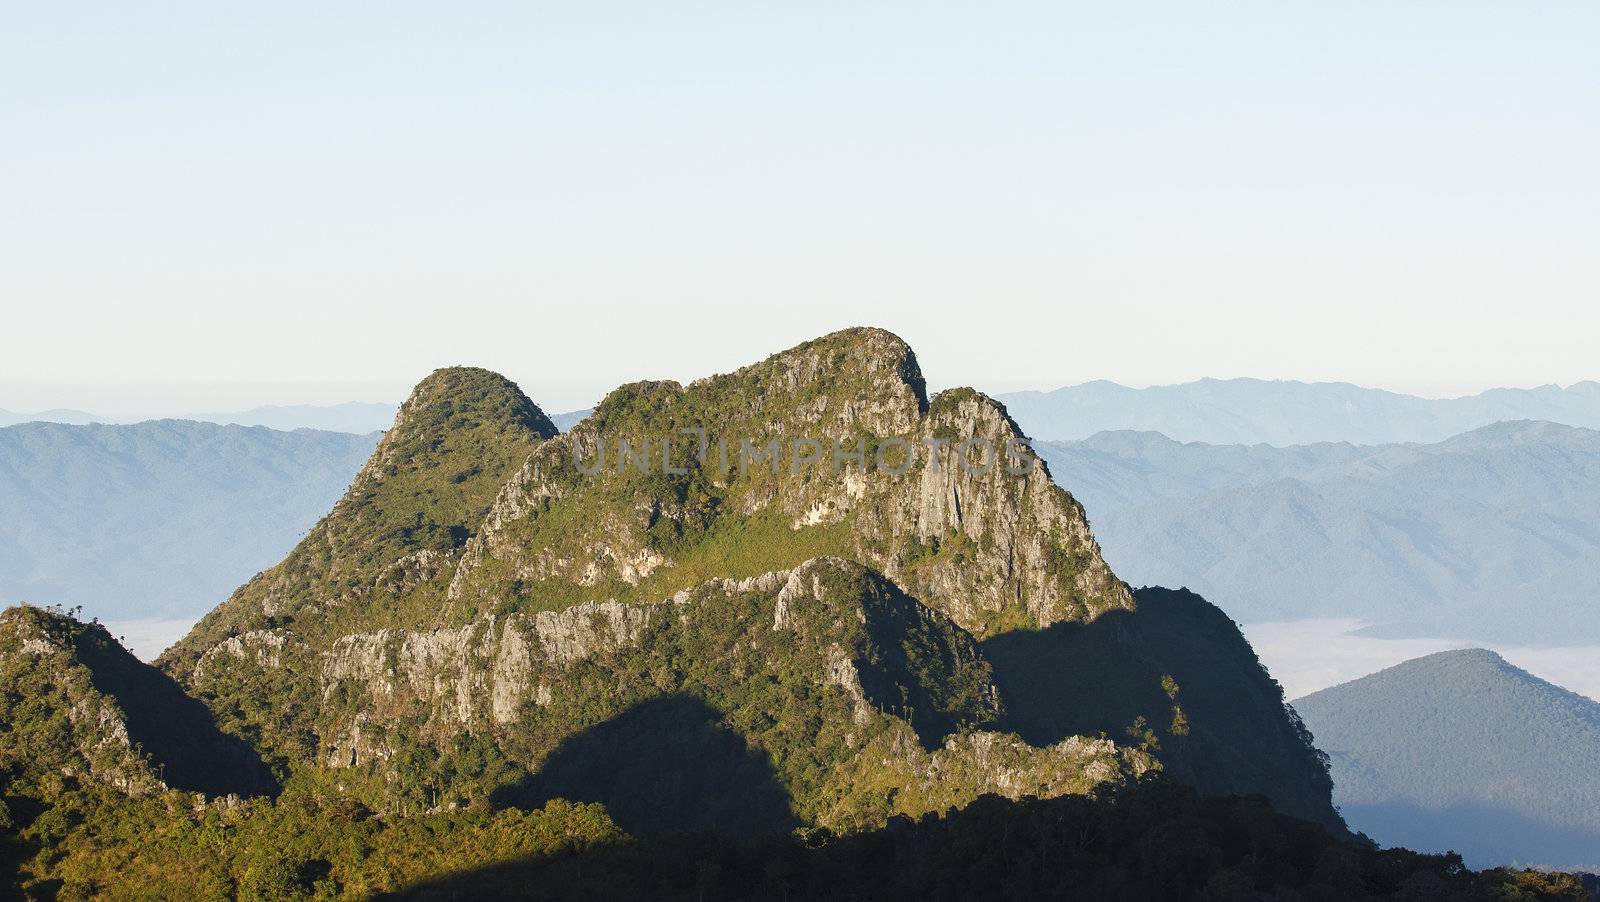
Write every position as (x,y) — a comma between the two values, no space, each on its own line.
(130,402)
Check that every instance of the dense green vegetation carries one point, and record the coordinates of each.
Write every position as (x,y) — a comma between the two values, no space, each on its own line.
(80,841)
(714,720)
(75,705)
(1150,841)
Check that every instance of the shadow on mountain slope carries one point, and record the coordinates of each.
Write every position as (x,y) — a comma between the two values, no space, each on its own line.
(1175,670)
(1152,841)
(665,765)
(177,731)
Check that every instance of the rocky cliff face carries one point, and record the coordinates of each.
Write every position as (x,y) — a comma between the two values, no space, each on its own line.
(798,560)
(865,702)
(829,448)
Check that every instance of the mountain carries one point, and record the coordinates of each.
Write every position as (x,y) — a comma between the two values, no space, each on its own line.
(1461,750)
(73,417)
(1494,534)
(354,416)
(1256,411)
(161,518)
(489,580)
(789,630)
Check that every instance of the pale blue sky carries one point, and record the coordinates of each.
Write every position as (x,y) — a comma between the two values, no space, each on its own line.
(208,205)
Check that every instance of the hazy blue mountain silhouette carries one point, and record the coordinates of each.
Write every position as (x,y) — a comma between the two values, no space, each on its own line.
(1251,411)
(1461,750)
(571,418)
(59,415)
(162,518)
(355,417)
(1494,534)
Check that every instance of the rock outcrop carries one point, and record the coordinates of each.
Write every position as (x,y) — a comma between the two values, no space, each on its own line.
(829,448)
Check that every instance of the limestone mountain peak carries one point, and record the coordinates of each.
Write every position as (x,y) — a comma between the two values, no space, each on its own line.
(830,447)
(490,587)
(453,400)
(469,392)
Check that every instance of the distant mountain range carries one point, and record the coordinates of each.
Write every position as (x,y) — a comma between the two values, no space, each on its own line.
(1460,750)
(162,518)
(1254,411)
(565,421)
(59,415)
(352,417)
(1493,535)
(356,417)
(1215,411)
